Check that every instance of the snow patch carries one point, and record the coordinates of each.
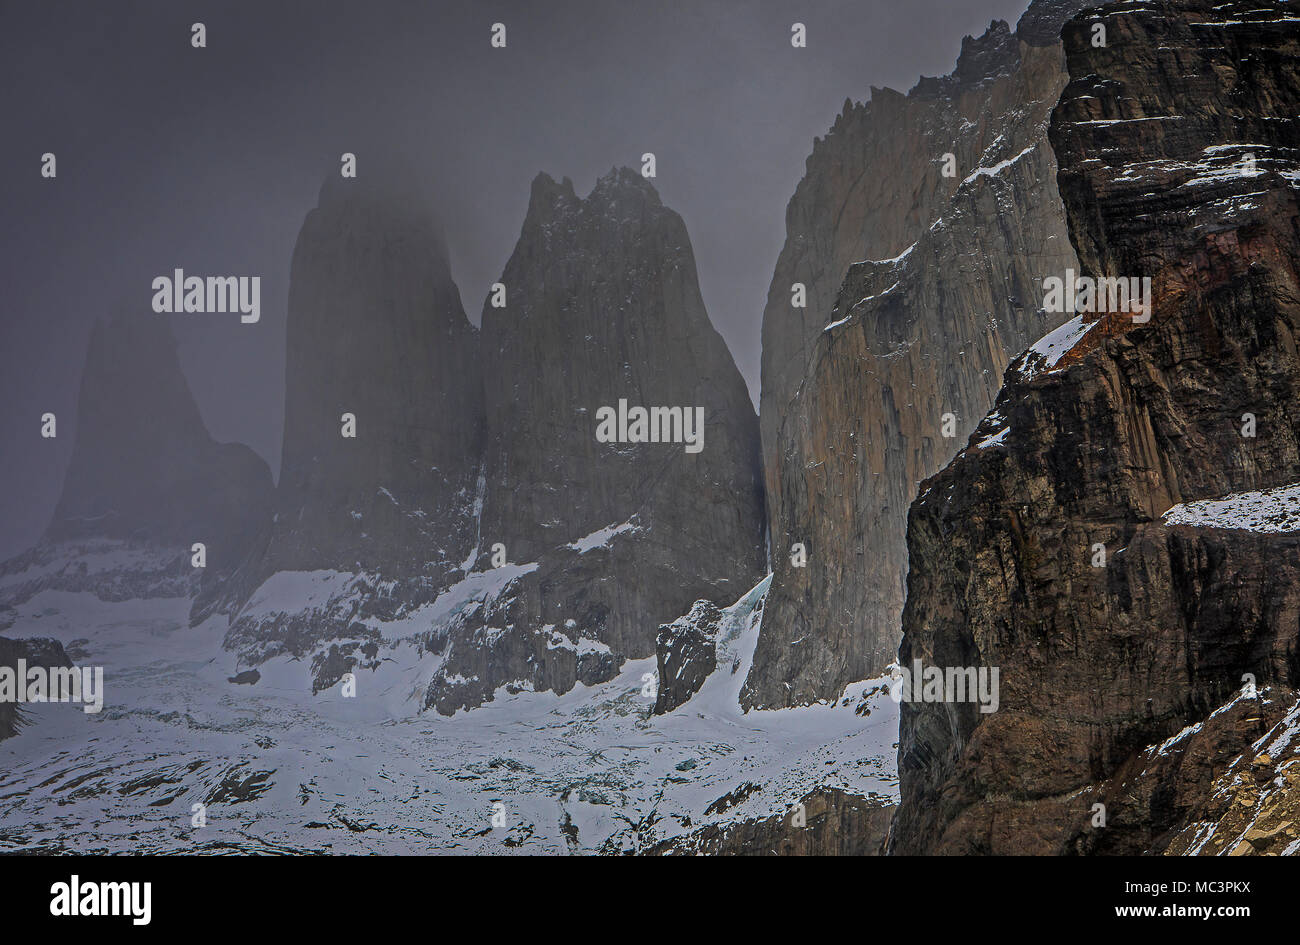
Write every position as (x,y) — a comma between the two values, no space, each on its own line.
(995,169)
(1046,353)
(587,770)
(1269,511)
(602,537)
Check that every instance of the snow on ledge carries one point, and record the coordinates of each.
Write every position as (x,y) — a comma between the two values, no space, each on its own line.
(1046,353)
(849,317)
(994,439)
(602,537)
(894,260)
(1270,511)
(998,168)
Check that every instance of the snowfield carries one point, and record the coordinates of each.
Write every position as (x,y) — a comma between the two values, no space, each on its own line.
(1270,511)
(279,770)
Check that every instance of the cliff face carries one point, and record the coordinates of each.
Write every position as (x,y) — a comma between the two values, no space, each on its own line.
(858,385)
(602,307)
(1118,537)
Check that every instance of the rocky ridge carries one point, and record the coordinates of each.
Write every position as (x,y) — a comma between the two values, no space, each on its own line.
(686,653)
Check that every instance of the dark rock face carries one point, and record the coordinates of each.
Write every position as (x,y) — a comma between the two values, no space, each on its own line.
(497,640)
(1101,438)
(602,306)
(1041,23)
(144,467)
(837,824)
(36,651)
(687,653)
(857,386)
(376,331)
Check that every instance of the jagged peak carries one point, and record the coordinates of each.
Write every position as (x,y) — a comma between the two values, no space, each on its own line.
(997,49)
(991,54)
(623,180)
(619,187)
(546,188)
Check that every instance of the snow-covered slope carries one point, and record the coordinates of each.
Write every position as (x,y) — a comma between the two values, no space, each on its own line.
(282,770)
(1270,511)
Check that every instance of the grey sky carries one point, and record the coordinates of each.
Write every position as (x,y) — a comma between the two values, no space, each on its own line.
(208,159)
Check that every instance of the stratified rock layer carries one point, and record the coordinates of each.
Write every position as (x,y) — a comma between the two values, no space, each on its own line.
(857,386)
(602,304)
(1177,142)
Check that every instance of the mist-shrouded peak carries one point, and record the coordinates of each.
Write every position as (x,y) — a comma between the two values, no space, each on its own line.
(144,465)
(387,196)
(376,333)
(382,434)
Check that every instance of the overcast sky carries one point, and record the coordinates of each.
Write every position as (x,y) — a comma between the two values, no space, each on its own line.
(208,159)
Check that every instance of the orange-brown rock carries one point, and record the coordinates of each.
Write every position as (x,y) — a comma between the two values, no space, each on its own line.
(1178,145)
